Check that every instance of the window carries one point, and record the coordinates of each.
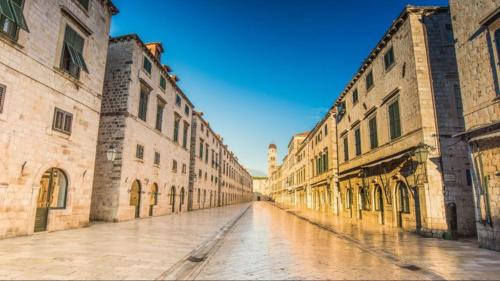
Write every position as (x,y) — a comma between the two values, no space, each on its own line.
(379,199)
(369,80)
(365,198)
(341,110)
(62,121)
(172,195)
(184,168)
(346,149)
(355,97)
(157,158)
(348,199)
(159,114)
(178,100)
(12,17)
(147,66)
(201,149)
(186,110)
(85,4)
(206,153)
(357,141)
(143,104)
(72,57)
(174,166)
(177,121)
(326,130)
(373,133)
(163,82)
(139,152)
(468,175)
(389,59)
(404,199)
(394,122)
(53,189)
(2,98)
(185,135)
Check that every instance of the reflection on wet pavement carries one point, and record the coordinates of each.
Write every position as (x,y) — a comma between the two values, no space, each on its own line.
(268,243)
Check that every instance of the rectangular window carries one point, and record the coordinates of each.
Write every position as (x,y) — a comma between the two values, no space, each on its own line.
(174,166)
(326,130)
(373,133)
(160,106)
(184,169)
(185,135)
(355,97)
(62,121)
(369,80)
(2,97)
(394,121)
(357,141)
(12,17)
(72,57)
(346,149)
(177,121)
(201,149)
(157,158)
(186,110)
(178,100)
(206,153)
(163,82)
(85,4)
(143,104)
(389,59)
(147,66)
(139,152)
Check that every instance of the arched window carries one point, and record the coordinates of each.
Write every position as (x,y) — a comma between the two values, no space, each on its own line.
(153,200)
(379,203)
(348,199)
(53,189)
(404,199)
(172,195)
(365,198)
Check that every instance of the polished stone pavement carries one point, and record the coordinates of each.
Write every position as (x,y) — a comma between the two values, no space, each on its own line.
(265,243)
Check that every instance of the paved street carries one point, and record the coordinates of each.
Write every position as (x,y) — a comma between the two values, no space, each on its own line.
(265,243)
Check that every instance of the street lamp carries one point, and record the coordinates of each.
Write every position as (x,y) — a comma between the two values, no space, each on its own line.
(111,153)
(421,154)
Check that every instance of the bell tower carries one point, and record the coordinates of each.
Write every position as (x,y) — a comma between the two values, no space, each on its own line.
(272,154)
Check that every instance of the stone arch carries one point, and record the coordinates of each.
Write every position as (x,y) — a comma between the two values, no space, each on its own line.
(135,197)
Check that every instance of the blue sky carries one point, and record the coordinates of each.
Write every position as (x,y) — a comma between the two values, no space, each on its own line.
(261,70)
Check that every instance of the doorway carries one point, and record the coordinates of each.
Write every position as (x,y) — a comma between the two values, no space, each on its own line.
(135,198)
(153,200)
(379,204)
(52,195)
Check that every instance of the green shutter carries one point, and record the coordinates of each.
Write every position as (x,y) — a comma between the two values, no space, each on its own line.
(6,11)
(17,10)
(395,124)
(74,44)
(373,133)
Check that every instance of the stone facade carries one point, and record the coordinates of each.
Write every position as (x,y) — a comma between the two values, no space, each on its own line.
(476,26)
(404,100)
(392,157)
(49,117)
(146,118)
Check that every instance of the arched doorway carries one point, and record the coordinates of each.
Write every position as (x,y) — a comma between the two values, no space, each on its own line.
(181,199)
(52,195)
(135,198)
(379,203)
(153,199)
(402,201)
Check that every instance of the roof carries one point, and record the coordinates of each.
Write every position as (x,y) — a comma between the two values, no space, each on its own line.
(273,146)
(134,36)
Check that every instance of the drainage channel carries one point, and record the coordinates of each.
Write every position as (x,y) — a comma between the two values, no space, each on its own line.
(191,265)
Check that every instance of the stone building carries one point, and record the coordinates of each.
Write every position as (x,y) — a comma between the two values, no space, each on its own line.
(236,182)
(399,164)
(145,121)
(260,188)
(476,26)
(52,58)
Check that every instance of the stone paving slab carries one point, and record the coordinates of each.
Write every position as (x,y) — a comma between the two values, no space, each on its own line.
(135,250)
(455,260)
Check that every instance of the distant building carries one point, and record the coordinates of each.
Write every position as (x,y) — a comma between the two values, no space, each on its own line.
(476,27)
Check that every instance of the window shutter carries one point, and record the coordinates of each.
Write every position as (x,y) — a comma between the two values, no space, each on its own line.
(74,44)
(2,98)
(17,11)
(6,11)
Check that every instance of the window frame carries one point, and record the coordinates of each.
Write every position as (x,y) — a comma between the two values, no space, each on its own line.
(345,141)
(355,97)
(357,141)
(15,23)
(371,80)
(149,64)
(160,108)
(157,159)
(143,107)
(65,115)
(71,56)
(373,132)
(177,122)
(399,130)
(139,152)
(388,65)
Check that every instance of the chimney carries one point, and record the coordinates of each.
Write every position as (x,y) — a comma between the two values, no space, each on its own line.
(156,48)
